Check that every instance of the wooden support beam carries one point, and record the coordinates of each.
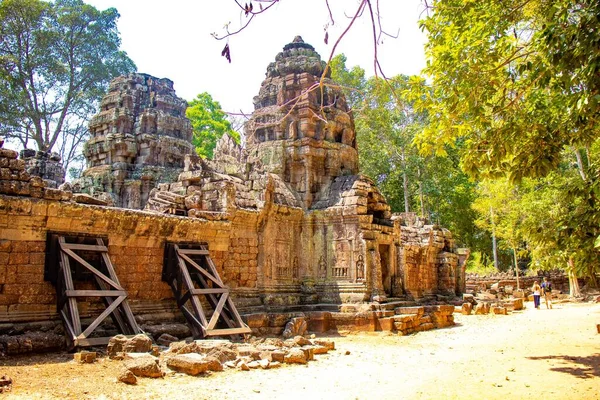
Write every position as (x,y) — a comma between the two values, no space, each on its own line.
(95,293)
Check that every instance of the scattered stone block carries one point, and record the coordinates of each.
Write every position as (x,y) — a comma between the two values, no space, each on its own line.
(467,308)
(482,308)
(301,341)
(223,354)
(318,349)
(309,352)
(126,376)
(190,363)
(144,367)
(295,356)
(85,357)
(325,343)
(278,356)
(499,310)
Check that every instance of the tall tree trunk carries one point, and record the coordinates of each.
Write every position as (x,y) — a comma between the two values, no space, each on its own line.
(405,183)
(421,197)
(494,244)
(580,165)
(516,267)
(573,283)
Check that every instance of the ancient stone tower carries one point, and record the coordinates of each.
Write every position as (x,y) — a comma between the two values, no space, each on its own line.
(139,138)
(302,129)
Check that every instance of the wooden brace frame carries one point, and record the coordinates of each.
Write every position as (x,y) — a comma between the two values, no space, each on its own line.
(108,288)
(193,277)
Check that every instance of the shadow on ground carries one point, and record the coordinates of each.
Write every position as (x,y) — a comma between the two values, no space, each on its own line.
(581,367)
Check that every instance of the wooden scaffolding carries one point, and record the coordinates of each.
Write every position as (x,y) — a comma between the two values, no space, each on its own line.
(72,259)
(200,293)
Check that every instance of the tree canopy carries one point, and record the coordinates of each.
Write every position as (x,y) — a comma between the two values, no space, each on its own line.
(56,60)
(209,123)
(518,81)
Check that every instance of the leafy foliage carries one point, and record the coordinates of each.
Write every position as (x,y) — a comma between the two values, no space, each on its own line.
(209,123)
(56,60)
(517,81)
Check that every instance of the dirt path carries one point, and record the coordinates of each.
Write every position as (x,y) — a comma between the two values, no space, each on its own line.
(556,352)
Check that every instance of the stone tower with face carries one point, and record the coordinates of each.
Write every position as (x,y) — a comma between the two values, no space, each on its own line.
(302,128)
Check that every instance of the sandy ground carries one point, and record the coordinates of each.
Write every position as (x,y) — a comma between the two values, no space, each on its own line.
(549,354)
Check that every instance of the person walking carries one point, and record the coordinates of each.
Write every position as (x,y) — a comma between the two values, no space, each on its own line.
(547,292)
(537,291)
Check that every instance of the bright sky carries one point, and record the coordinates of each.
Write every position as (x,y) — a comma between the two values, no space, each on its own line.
(172,39)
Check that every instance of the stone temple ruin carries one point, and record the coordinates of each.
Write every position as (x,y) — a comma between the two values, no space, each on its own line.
(286,225)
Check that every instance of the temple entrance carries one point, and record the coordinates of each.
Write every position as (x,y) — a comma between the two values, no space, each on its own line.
(386,275)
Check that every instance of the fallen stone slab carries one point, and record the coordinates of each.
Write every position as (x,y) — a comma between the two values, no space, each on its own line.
(330,345)
(144,367)
(295,356)
(189,363)
(223,354)
(301,341)
(193,363)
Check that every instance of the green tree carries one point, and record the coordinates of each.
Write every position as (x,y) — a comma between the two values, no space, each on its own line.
(386,124)
(518,81)
(209,123)
(56,60)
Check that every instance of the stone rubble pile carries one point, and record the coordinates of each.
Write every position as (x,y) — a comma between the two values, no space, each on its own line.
(204,356)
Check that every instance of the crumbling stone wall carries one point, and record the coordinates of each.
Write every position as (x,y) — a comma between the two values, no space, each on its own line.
(47,166)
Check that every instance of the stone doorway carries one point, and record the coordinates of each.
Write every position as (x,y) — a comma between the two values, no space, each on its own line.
(386,273)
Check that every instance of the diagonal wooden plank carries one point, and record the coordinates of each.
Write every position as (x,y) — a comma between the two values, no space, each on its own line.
(195,325)
(201,270)
(107,263)
(92,269)
(101,317)
(113,274)
(217,312)
(116,315)
(211,265)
